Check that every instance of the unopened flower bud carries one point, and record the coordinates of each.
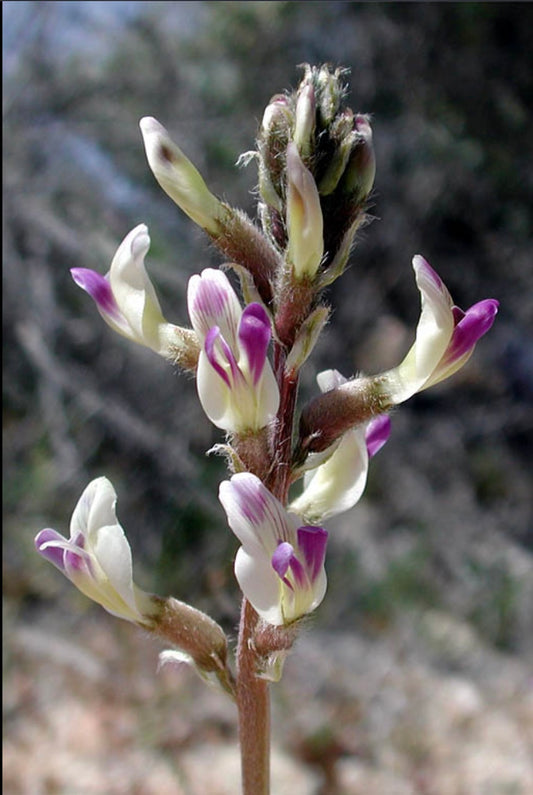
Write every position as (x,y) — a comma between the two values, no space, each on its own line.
(360,170)
(179,178)
(330,92)
(231,230)
(336,164)
(304,218)
(337,265)
(267,191)
(306,339)
(278,120)
(304,126)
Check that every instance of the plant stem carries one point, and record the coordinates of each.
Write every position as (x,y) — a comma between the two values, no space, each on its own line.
(253,702)
(254,711)
(278,481)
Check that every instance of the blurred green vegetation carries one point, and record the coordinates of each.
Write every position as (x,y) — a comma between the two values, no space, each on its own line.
(448,86)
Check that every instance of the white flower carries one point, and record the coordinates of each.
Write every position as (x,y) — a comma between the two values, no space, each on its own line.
(235,382)
(280,565)
(97,557)
(445,337)
(337,483)
(126,298)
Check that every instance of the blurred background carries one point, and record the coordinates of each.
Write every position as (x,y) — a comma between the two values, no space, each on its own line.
(415,675)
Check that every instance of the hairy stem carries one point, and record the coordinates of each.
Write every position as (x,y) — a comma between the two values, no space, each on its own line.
(254,710)
(252,693)
(279,478)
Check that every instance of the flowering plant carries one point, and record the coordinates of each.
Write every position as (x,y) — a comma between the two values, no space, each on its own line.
(316,169)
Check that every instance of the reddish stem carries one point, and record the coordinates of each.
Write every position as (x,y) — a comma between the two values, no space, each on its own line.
(279,479)
(254,711)
(252,693)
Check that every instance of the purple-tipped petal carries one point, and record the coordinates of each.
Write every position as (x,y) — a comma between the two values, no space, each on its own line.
(377,434)
(312,542)
(458,315)
(210,342)
(254,337)
(284,559)
(99,289)
(213,338)
(281,559)
(473,324)
(46,544)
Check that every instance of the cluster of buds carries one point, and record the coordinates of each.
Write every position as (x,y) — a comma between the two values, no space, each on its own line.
(316,170)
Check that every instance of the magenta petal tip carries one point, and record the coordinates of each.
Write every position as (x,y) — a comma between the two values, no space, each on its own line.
(377,434)
(312,541)
(475,322)
(98,288)
(254,336)
(281,559)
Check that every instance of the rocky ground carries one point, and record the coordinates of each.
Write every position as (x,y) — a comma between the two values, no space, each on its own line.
(424,707)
